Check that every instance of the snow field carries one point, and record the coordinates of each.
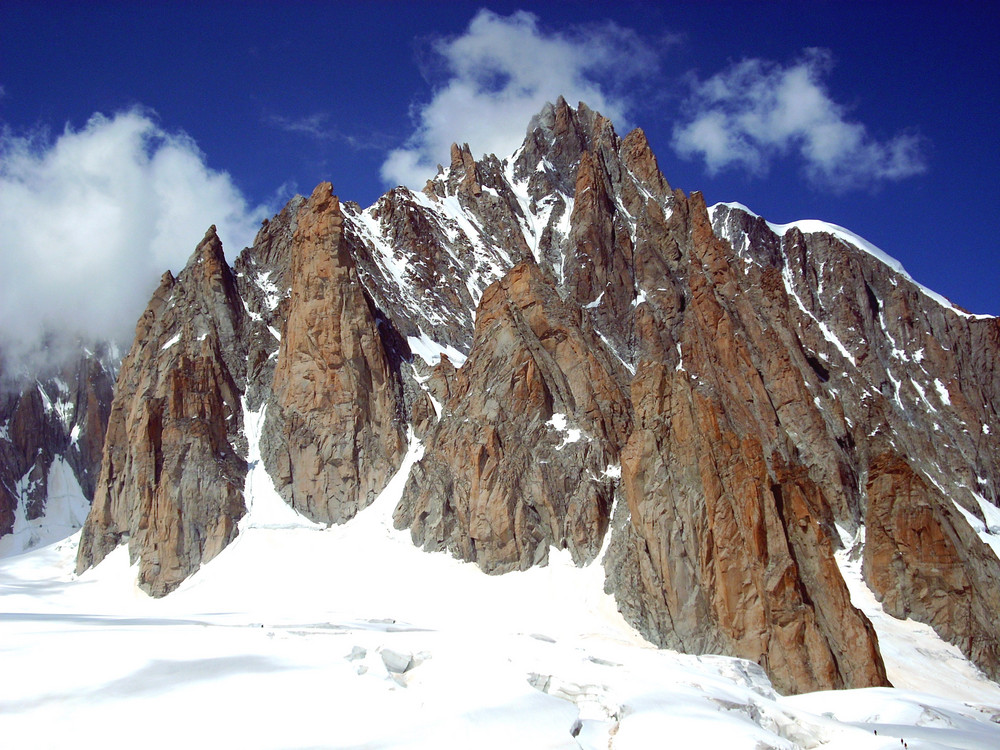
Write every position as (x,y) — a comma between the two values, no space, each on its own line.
(294,635)
(279,642)
(66,509)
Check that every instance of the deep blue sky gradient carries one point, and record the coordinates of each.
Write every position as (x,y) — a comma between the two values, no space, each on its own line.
(226,72)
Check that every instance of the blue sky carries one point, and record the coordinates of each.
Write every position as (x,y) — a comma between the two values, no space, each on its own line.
(880,117)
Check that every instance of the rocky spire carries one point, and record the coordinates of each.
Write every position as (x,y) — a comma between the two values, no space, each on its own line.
(584,352)
(334,434)
(524,454)
(172,474)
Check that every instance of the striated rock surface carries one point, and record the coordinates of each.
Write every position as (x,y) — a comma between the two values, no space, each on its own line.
(333,434)
(52,425)
(525,450)
(172,475)
(728,545)
(592,361)
(263,280)
(896,372)
(923,560)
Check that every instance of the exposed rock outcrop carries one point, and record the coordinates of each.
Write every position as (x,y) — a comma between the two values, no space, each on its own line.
(924,561)
(263,280)
(729,535)
(172,475)
(584,351)
(892,371)
(333,434)
(526,449)
(60,416)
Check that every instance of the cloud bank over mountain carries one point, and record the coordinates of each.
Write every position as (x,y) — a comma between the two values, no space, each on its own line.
(744,118)
(91,218)
(501,71)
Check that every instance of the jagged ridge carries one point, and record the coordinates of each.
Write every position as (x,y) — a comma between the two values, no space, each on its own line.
(760,394)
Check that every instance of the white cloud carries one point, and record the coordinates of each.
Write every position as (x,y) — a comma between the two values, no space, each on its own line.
(318,127)
(89,222)
(756,111)
(500,73)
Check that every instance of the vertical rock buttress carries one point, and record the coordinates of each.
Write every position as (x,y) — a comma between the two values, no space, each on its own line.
(333,436)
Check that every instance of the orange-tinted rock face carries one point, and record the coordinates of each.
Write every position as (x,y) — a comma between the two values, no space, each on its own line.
(172,477)
(729,534)
(740,394)
(923,561)
(530,426)
(333,434)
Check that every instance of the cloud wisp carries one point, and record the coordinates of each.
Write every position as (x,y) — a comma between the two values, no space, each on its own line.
(756,111)
(89,221)
(500,73)
(317,126)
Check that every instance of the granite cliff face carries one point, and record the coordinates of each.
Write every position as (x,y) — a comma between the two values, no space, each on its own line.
(727,524)
(519,459)
(332,437)
(708,405)
(172,476)
(51,439)
(924,560)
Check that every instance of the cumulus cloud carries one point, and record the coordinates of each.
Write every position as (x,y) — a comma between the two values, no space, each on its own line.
(756,111)
(90,220)
(500,73)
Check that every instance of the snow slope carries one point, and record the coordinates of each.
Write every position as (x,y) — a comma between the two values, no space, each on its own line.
(294,637)
(66,509)
(812,226)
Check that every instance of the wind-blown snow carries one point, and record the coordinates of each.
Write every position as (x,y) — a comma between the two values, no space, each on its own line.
(569,434)
(829,335)
(942,392)
(63,406)
(989,532)
(272,295)
(535,218)
(265,508)
(596,303)
(613,471)
(814,226)
(611,348)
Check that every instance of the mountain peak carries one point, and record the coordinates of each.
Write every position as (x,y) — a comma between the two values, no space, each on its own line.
(210,253)
(595,363)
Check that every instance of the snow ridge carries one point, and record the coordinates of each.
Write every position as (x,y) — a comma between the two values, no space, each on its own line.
(815,226)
